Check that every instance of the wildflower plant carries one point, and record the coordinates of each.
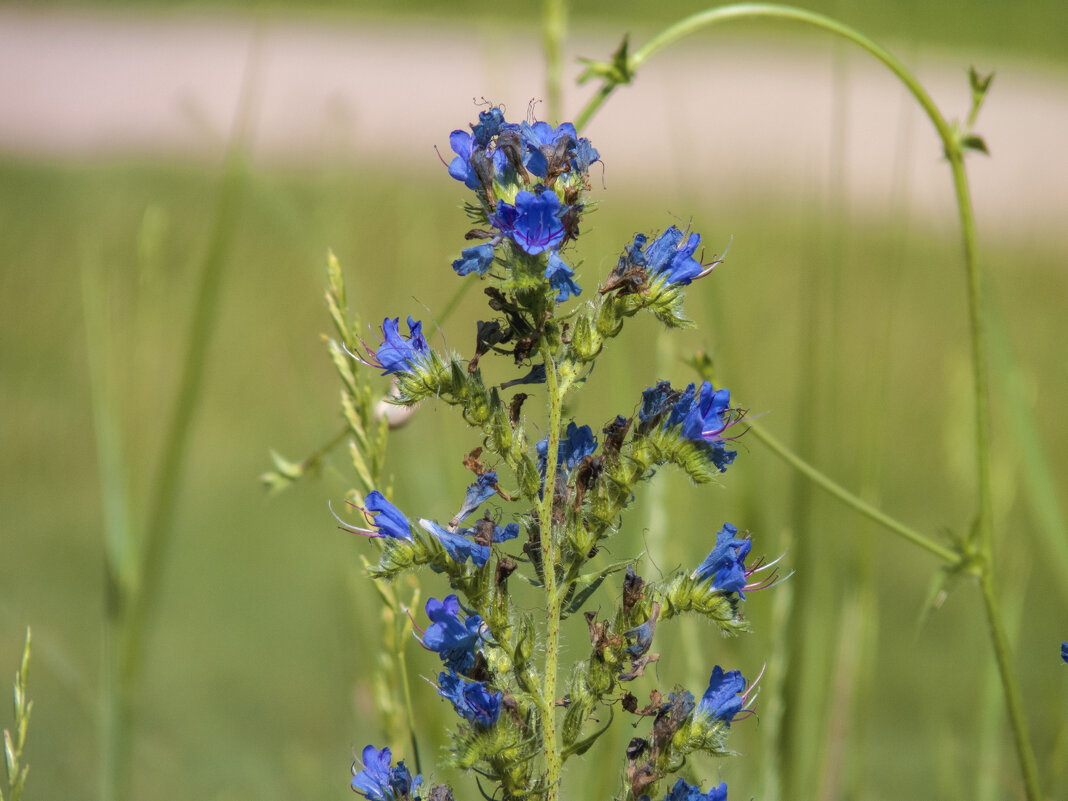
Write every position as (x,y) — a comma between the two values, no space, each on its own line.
(541,507)
(541,510)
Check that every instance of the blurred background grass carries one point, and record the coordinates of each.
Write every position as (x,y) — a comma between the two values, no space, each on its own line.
(258,677)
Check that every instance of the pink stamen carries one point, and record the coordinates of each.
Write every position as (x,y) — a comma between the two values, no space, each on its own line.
(364,532)
(755,682)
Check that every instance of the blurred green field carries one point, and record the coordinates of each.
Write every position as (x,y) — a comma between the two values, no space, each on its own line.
(258,681)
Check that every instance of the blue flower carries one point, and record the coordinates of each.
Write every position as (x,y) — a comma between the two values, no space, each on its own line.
(1064,651)
(721,700)
(559,275)
(484,488)
(655,401)
(504,533)
(687,792)
(471,158)
(533,222)
(725,565)
(547,148)
(454,638)
(459,547)
(398,353)
(378,781)
(474,260)
(471,700)
(708,418)
(387,518)
(669,255)
(682,406)
(577,444)
(489,125)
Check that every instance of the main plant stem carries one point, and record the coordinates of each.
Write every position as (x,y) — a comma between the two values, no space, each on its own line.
(553,598)
(982,541)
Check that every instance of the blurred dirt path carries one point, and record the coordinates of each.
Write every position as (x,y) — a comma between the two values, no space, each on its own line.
(717,115)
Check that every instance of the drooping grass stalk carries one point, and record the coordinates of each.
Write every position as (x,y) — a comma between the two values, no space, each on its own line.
(980,541)
(554,31)
(855,501)
(550,549)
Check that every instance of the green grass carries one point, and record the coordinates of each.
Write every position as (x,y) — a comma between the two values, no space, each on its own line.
(258,676)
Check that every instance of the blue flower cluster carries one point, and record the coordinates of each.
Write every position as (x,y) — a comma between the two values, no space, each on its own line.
(379,781)
(668,256)
(529,180)
(703,415)
(725,565)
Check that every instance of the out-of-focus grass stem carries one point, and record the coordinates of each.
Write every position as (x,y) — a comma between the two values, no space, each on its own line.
(554,31)
(134,589)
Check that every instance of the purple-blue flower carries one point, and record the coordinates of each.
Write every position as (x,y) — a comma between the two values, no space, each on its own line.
(707,419)
(559,275)
(458,547)
(388,519)
(533,222)
(484,488)
(452,636)
(1064,651)
(471,157)
(398,353)
(687,792)
(722,699)
(558,146)
(378,781)
(669,255)
(655,401)
(576,444)
(474,260)
(471,700)
(725,565)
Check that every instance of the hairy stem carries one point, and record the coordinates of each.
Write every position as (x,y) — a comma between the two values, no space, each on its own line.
(553,598)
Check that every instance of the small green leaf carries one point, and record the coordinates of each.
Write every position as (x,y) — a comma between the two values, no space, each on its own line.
(614,72)
(585,585)
(583,745)
(973,142)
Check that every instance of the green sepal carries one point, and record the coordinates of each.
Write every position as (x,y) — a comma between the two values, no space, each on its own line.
(584,586)
(668,445)
(664,300)
(684,594)
(582,746)
(586,342)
